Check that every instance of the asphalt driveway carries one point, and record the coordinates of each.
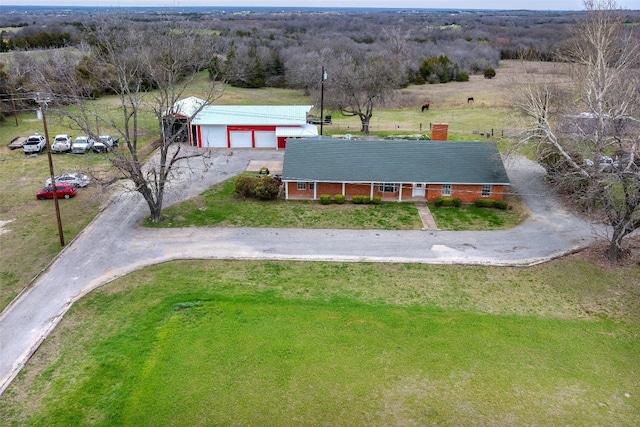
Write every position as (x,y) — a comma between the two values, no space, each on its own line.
(114,245)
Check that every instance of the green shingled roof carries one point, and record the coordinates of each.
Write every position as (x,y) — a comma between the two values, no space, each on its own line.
(330,160)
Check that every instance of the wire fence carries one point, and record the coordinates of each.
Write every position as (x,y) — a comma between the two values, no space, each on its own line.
(422,129)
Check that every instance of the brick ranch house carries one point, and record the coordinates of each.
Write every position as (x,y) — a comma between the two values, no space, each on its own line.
(394,170)
(237,126)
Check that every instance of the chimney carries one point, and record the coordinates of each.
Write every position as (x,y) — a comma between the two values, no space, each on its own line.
(439,131)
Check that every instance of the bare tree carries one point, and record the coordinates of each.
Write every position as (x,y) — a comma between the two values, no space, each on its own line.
(588,136)
(360,82)
(149,71)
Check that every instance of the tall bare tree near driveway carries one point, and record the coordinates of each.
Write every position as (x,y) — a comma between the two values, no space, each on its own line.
(149,69)
(587,134)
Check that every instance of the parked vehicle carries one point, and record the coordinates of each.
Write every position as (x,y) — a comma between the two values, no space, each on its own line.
(61,144)
(64,191)
(105,143)
(82,144)
(35,144)
(605,164)
(75,178)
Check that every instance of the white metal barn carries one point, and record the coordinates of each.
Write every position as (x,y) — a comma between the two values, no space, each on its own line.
(238,126)
(250,126)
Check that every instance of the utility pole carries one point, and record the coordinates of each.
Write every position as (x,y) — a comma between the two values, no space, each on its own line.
(43,106)
(324,77)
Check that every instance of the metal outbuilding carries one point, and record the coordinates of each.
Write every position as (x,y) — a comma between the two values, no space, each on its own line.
(242,126)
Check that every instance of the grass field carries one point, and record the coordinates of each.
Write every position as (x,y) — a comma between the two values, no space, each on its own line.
(289,343)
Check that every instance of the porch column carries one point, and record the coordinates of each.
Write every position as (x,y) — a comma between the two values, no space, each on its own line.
(400,193)
(371,192)
(286,190)
(343,190)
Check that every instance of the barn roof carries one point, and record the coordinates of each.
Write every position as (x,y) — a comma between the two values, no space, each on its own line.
(186,107)
(252,115)
(328,160)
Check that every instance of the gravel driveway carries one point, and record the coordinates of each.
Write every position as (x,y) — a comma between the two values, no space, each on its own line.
(121,246)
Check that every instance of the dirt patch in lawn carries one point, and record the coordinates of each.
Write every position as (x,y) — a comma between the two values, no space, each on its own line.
(596,254)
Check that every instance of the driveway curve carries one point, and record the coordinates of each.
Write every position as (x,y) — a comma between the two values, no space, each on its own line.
(114,245)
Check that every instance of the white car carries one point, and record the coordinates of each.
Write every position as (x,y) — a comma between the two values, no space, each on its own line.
(61,144)
(35,144)
(82,144)
(75,178)
(605,164)
(105,143)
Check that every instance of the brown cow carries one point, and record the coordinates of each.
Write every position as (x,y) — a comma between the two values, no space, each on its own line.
(425,106)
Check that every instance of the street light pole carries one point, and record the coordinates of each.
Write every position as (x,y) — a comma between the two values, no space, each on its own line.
(324,77)
(43,106)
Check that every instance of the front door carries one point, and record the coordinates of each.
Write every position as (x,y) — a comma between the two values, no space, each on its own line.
(418,190)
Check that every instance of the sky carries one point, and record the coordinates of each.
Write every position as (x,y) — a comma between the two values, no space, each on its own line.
(447,4)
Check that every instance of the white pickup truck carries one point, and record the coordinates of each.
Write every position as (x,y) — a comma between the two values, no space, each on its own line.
(35,144)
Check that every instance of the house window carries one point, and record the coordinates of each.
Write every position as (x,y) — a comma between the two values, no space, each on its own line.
(486,190)
(302,185)
(387,187)
(312,186)
(446,189)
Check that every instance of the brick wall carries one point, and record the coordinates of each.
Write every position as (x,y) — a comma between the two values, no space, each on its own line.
(467,193)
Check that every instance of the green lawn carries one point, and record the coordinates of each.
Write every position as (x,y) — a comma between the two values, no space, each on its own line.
(288,343)
(219,206)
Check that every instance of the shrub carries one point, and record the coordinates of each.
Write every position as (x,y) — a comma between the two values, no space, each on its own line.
(325,199)
(462,76)
(266,188)
(376,200)
(339,198)
(360,200)
(484,203)
(260,188)
(489,73)
(447,201)
(501,204)
(244,185)
(491,203)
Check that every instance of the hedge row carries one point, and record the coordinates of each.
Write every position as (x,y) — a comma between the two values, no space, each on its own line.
(325,199)
(491,203)
(447,201)
(480,203)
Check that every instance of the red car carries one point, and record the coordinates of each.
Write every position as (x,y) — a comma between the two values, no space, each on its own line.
(64,190)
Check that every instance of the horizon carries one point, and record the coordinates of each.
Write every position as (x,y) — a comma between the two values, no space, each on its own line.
(505,5)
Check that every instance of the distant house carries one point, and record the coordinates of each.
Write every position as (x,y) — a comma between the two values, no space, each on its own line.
(586,124)
(239,126)
(394,170)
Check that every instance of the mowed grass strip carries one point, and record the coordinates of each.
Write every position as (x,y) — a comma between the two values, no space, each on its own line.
(474,218)
(220,206)
(277,343)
